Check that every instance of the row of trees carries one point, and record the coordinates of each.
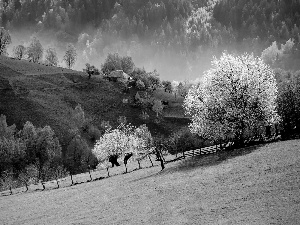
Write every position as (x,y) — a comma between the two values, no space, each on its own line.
(34,52)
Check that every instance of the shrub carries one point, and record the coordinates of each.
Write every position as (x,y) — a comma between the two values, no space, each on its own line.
(78,156)
(182,141)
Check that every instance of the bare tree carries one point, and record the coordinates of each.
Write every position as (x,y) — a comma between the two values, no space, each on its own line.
(35,50)
(70,56)
(19,52)
(5,39)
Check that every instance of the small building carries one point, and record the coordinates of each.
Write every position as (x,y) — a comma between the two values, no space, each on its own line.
(118,75)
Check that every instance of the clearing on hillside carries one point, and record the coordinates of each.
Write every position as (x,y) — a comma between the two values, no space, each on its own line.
(255,185)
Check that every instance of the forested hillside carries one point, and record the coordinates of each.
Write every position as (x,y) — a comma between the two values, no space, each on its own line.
(177,37)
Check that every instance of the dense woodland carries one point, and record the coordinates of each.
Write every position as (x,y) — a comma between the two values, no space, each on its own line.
(152,31)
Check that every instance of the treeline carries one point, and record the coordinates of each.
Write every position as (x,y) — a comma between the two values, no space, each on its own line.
(164,33)
(187,24)
(268,20)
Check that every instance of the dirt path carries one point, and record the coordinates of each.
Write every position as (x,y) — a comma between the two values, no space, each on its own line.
(256,186)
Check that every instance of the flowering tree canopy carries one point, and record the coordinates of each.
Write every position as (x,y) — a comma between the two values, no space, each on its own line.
(235,98)
(122,140)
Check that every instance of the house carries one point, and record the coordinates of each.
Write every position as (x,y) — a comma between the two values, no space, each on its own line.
(118,75)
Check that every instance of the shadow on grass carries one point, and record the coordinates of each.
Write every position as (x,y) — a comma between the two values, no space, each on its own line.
(199,161)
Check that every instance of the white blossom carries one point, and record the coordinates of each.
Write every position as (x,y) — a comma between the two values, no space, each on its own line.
(235,97)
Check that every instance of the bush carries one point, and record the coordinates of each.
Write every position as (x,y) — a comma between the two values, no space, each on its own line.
(79,157)
(182,141)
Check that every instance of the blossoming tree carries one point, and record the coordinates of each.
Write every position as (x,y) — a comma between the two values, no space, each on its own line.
(126,139)
(235,99)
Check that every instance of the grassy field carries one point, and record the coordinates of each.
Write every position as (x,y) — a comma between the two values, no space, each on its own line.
(30,68)
(256,185)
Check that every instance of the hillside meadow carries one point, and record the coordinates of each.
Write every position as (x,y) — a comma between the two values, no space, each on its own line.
(48,95)
(255,185)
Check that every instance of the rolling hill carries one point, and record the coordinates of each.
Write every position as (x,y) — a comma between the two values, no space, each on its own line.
(255,185)
(48,95)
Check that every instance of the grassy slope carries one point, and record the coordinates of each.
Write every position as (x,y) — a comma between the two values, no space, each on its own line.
(257,186)
(47,95)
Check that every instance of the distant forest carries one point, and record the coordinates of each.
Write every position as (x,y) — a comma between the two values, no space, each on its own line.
(181,32)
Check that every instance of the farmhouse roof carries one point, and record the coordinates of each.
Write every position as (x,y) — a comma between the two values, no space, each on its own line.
(119,74)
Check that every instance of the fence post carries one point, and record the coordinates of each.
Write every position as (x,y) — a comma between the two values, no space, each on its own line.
(139,164)
(183,154)
(57,183)
(10,190)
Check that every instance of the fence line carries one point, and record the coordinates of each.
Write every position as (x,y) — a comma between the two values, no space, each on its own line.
(59,182)
(71,179)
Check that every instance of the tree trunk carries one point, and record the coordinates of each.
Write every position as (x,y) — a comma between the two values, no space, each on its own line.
(57,183)
(90,175)
(162,156)
(107,172)
(10,190)
(43,186)
(72,180)
(139,164)
(125,168)
(162,164)
(150,160)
